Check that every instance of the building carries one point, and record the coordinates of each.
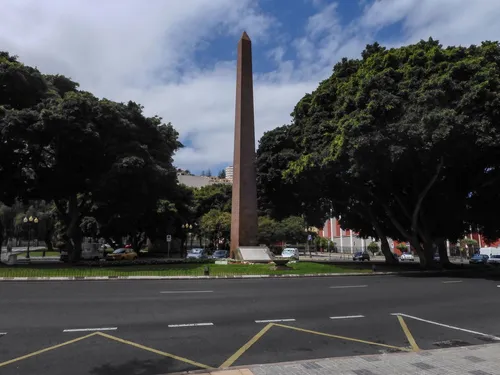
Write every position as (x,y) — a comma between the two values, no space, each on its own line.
(200,181)
(229,173)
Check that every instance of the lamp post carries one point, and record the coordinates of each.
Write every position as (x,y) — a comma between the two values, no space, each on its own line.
(188,227)
(29,221)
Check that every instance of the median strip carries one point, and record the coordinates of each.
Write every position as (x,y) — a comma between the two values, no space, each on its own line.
(274,320)
(347,317)
(91,329)
(190,325)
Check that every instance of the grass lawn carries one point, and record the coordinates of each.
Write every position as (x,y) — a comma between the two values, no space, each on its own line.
(174,270)
(38,253)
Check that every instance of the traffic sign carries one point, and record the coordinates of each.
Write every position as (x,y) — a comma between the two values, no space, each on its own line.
(309,238)
(169,238)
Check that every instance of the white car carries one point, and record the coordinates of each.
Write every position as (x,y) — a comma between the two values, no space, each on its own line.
(406,256)
(494,260)
(290,252)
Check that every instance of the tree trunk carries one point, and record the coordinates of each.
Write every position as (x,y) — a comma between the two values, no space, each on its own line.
(443,254)
(1,236)
(384,243)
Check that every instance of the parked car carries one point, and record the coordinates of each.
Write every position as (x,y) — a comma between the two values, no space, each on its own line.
(407,256)
(220,254)
(291,253)
(494,260)
(361,256)
(479,259)
(197,253)
(122,254)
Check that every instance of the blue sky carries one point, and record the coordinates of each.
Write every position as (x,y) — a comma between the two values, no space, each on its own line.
(177,58)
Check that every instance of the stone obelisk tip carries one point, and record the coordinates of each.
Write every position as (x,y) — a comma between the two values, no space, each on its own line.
(245,36)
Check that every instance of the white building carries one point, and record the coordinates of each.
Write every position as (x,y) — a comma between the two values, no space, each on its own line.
(229,173)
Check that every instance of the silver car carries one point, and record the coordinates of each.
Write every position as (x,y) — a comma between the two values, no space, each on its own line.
(197,253)
(494,260)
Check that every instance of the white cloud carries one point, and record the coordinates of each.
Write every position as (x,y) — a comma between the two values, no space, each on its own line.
(127,49)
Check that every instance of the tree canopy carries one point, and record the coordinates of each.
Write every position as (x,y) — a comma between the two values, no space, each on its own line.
(402,142)
(94,158)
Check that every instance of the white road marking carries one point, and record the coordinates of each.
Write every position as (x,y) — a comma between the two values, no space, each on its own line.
(274,320)
(190,325)
(347,317)
(186,291)
(452,282)
(91,329)
(3,333)
(348,286)
(448,326)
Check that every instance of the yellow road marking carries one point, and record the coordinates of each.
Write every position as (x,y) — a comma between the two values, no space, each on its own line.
(342,337)
(46,349)
(165,354)
(245,347)
(408,334)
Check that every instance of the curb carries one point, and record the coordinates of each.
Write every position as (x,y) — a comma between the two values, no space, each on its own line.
(110,278)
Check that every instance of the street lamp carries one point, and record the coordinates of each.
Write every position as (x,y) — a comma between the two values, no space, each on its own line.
(29,221)
(188,228)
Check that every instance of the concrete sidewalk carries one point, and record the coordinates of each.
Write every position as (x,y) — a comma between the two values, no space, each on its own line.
(470,360)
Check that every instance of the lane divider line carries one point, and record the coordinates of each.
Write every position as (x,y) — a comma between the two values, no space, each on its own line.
(165,354)
(448,326)
(91,329)
(185,291)
(347,317)
(452,282)
(274,320)
(46,349)
(342,337)
(190,325)
(348,286)
(228,362)
(408,334)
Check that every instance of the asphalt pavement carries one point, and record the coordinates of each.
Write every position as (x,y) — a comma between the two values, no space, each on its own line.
(157,327)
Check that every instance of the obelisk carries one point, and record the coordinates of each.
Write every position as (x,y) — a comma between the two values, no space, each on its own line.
(244,199)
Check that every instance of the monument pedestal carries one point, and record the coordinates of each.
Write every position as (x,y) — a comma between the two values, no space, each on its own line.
(254,254)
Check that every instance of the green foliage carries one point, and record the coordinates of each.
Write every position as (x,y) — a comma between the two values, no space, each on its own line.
(388,139)
(402,247)
(373,247)
(106,166)
(216,225)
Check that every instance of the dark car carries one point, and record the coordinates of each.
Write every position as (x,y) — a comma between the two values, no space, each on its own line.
(220,254)
(479,259)
(362,256)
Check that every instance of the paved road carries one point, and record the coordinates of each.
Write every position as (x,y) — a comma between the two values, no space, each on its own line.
(155,327)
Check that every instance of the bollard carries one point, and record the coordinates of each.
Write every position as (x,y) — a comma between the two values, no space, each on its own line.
(374,268)
(206,271)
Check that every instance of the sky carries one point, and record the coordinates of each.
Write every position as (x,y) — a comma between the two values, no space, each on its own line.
(177,57)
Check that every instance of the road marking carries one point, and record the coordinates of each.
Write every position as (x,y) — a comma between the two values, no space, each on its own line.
(91,329)
(408,334)
(47,349)
(165,354)
(245,347)
(186,291)
(348,286)
(190,325)
(275,320)
(452,282)
(342,337)
(347,317)
(448,326)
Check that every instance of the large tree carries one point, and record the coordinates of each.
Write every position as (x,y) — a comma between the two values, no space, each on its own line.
(411,132)
(94,158)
